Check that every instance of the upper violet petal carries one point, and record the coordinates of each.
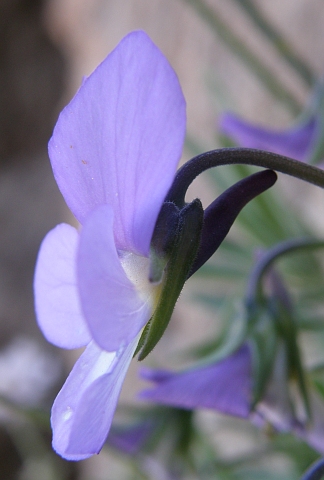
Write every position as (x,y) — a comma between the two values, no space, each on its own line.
(112,305)
(119,140)
(294,142)
(224,386)
(57,302)
(83,410)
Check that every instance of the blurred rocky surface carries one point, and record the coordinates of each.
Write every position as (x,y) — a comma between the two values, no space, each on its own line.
(32,79)
(32,73)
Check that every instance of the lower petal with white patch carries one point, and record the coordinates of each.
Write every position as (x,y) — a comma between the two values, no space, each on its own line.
(83,410)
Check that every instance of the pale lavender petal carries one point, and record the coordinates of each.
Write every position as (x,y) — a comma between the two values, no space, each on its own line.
(83,410)
(120,139)
(224,386)
(57,302)
(293,142)
(112,306)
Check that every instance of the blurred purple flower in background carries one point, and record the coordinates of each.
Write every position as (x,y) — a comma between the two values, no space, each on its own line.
(295,142)
(114,153)
(224,386)
(130,439)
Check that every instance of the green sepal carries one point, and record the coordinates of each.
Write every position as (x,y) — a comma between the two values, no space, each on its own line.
(182,256)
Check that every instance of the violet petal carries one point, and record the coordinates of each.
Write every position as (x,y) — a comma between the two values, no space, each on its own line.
(224,386)
(83,410)
(113,307)
(57,302)
(294,142)
(119,140)
(130,439)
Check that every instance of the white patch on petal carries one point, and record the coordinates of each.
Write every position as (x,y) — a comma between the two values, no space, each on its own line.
(137,270)
(105,364)
(84,408)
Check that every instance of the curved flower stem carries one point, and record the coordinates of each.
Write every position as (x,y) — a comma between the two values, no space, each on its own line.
(252,62)
(261,267)
(278,41)
(315,472)
(247,156)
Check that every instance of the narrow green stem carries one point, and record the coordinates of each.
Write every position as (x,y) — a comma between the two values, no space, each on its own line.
(246,156)
(272,255)
(279,42)
(253,63)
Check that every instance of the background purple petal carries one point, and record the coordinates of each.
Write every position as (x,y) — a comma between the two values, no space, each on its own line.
(130,439)
(224,386)
(114,310)
(83,410)
(57,302)
(120,139)
(294,142)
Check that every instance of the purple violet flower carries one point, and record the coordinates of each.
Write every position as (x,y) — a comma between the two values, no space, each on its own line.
(295,142)
(114,153)
(225,386)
